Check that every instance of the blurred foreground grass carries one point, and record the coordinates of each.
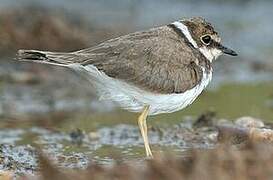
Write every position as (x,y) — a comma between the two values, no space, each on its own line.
(254,161)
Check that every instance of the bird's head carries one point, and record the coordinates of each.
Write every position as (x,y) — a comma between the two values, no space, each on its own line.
(202,36)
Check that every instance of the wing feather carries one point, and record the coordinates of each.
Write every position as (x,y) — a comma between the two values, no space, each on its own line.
(158,60)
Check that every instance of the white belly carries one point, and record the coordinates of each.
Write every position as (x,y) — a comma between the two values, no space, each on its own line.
(134,99)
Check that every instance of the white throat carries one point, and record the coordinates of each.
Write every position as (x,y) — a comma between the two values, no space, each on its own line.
(210,54)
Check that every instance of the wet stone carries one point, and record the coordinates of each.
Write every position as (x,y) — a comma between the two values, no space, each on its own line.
(232,135)
(205,119)
(77,136)
(249,122)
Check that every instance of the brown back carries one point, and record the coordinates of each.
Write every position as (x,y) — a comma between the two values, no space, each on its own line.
(158,60)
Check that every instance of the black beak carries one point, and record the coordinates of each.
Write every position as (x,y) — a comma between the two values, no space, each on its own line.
(226,50)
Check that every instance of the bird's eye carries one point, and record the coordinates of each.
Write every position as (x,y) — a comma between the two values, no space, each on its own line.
(206,39)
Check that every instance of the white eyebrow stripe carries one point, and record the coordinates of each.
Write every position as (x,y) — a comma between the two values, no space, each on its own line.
(184,29)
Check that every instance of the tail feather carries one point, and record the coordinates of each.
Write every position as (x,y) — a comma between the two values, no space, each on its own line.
(55,58)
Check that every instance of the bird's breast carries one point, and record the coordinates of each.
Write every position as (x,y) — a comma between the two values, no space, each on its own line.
(132,98)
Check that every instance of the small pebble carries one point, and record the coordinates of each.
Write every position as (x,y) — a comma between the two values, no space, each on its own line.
(262,134)
(77,136)
(93,135)
(249,122)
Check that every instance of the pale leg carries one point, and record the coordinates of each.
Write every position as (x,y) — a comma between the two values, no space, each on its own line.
(144,131)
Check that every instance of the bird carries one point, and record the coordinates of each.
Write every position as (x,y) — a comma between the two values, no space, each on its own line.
(159,70)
